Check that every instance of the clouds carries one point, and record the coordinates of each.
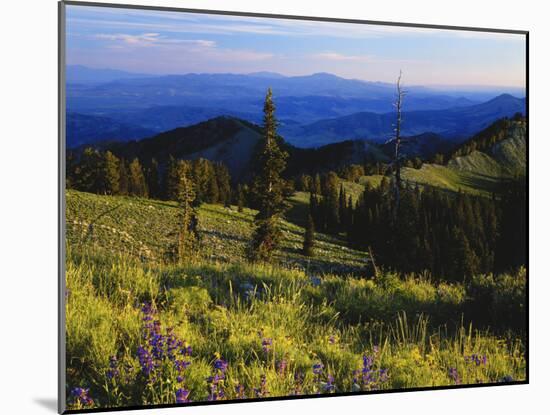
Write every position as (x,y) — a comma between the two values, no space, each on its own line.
(163,42)
(153,39)
(335,56)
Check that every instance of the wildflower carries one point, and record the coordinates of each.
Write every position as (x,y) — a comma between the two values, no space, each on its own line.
(329,385)
(145,361)
(81,397)
(113,371)
(367,378)
(266,345)
(318,368)
(298,382)
(182,396)
(281,367)
(262,391)
(453,374)
(239,391)
(332,339)
(221,365)
(477,359)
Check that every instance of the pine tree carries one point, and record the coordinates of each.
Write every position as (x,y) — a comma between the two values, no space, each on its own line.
(136,183)
(123,178)
(153,179)
(111,173)
(309,238)
(172,179)
(187,235)
(240,198)
(268,187)
(331,201)
(223,179)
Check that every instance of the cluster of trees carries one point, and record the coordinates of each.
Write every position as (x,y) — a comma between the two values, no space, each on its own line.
(329,205)
(102,172)
(454,236)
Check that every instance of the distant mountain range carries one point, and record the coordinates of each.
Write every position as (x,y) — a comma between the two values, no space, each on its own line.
(161,103)
(455,124)
(92,129)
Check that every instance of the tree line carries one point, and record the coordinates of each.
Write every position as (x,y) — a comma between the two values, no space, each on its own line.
(453,236)
(102,172)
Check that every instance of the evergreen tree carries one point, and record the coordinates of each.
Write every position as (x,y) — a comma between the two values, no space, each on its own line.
(268,187)
(136,180)
(172,179)
(240,198)
(187,235)
(309,238)
(331,201)
(223,179)
(153,180)
(111,173)
(123,178)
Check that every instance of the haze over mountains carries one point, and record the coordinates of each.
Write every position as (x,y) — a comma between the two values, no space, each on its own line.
(313,110)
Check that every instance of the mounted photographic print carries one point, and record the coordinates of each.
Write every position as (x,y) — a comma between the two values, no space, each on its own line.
(258,207)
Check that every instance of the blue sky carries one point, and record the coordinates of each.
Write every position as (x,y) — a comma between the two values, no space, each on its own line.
(159,42)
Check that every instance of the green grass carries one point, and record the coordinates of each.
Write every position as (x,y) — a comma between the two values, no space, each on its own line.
(214,309)
(478,172)
(224,307)
(144,228)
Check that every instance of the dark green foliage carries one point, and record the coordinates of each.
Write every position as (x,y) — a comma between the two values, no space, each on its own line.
(223,180)
(309,238)
(240,198)
(453,236)
(265,239)
(153,180)
(137,185)
(187,234)
(123,178)
(268,187)
(112,174)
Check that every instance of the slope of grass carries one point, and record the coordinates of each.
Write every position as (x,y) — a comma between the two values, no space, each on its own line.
(145,228)
(478,172)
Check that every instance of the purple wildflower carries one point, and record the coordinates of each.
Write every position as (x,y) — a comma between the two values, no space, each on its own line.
(182,396)
(81,396)
(239,391)
(266,345)
(262,391)
(113,371)
(453,374)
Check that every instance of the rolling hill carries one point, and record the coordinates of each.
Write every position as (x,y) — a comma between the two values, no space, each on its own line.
(479,171)
(455,124)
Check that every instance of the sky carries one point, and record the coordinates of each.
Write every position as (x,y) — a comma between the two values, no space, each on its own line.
(160,42)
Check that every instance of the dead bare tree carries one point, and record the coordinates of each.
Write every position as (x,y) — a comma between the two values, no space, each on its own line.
(397,129)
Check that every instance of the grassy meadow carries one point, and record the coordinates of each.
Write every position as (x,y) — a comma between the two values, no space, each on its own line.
(141,331)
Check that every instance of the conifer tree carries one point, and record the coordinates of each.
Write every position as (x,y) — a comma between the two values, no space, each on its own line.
(136,180)
(268,188)
(186,236)
(172,179)
(309,238)
(111,173)
(153,179)
(123,178)
(240,198)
